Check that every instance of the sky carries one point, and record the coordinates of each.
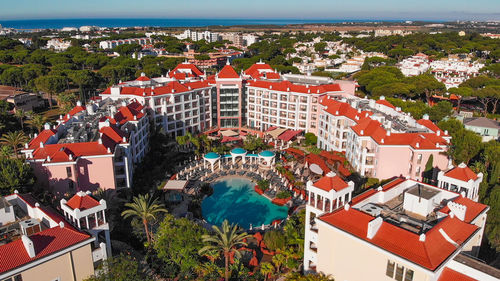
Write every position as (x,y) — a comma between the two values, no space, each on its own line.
(254,9)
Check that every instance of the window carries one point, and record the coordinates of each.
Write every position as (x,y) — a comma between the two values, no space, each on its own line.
(390,269)
(68,172)
(399,273)
(409,275)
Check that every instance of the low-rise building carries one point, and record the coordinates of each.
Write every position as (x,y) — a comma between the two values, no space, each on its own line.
(488,129)
(461,179)
(403,230)
(39,244)
(110,44)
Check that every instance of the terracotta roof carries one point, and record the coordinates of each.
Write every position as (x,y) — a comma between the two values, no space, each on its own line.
(338,108)
(328,183)
(473,208)
(386,103)
(289,134)
(254,70)
(285,86)
(46,242)
(316,159)
(127,113)
(227,72)
(461,172)
(73,111)
(173,87)
(82,202)
(430,125)
(429,253)
(60,152)
(143,78)
(43,137)
(449,274)
(193,70)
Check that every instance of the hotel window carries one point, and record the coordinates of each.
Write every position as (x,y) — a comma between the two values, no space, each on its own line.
(68,172)
(390,269)
(409,275)
(399,273)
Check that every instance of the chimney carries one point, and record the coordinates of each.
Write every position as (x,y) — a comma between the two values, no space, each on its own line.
(46,126)
(78,103)
(388,133)
(29,246)
(373,226)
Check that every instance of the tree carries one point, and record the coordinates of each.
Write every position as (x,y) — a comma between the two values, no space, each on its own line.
(14,174)
(309,277)
(51,84)
(21,114)
(461,92)
(274,240)
(146,209)
(120,268)
(177,243)
(37,121)
(310,139)
(320,47)
(427,85)
(252,143)
(14,140)
(440,111)
(225,240)
(127,49)
(465,144)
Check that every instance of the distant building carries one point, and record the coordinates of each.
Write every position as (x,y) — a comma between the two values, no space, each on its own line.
(110,44)
(488,129)
(58,44)
(21,99)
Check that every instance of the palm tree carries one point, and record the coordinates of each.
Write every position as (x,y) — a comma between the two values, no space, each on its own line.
(146,209)
(21,114)
(266,268)
(225,239)
(278,260)
(37,122)
(14,139)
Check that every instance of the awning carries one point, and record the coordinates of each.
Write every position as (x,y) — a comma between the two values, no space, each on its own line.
(229,139)
(229,133)
(175,185)
(276,132)
(289,134)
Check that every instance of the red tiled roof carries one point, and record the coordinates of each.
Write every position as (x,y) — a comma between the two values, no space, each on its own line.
(43,137)
(374,129)
(60,152)
(315,159)
(127,113)
(254,69)
(386,103)
(143,78)
(82,202)
(289,134)
(430,125)
(461,173)
(193,70)
(46,242)
(227,72)
(295,151)
(429,253)
(338,108)
(285,86)
(328,183)
(171,88)
(452,275)
(73,111)
(473,208)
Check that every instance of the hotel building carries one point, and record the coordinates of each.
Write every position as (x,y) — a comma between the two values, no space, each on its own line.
(379,140)
(92,147)
(403,230)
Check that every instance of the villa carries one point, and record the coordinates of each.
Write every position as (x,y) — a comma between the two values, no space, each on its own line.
(39,244)
(403,230)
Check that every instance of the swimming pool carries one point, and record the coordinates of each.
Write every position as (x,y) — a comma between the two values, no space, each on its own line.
(234,199)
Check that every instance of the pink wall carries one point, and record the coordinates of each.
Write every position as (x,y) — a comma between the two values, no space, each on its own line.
(89,174)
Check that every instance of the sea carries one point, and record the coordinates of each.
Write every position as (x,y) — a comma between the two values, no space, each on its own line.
(159,22)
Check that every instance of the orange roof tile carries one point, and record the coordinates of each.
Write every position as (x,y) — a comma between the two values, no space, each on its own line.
(46,242)
(328,183)
(385,103)
(82,202)
(461,173)
(473,208)
(452,275)
(43,137)
(285,86)
(227,72)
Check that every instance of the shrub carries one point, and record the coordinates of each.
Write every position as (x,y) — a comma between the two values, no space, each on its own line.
(283,194)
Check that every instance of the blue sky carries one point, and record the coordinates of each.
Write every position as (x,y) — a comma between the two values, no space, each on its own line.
(278,9)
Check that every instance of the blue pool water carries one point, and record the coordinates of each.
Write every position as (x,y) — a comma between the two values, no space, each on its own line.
(234,199)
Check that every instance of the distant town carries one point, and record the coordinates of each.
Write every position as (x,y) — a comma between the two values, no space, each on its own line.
(257,152)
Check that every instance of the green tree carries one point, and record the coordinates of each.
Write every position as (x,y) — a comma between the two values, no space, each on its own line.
(427,85)
(310,139)
(275,240)
(14,140)
(146,209)
(37,121)
(14,174)
(51,84)
(127,49)
(120,268)
(309,277)
(225,240)
(177,243)
(461,92)
(21,114)
(440,111)
(267,269)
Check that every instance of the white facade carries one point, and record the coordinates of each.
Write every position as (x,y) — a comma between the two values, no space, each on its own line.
(469,188)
